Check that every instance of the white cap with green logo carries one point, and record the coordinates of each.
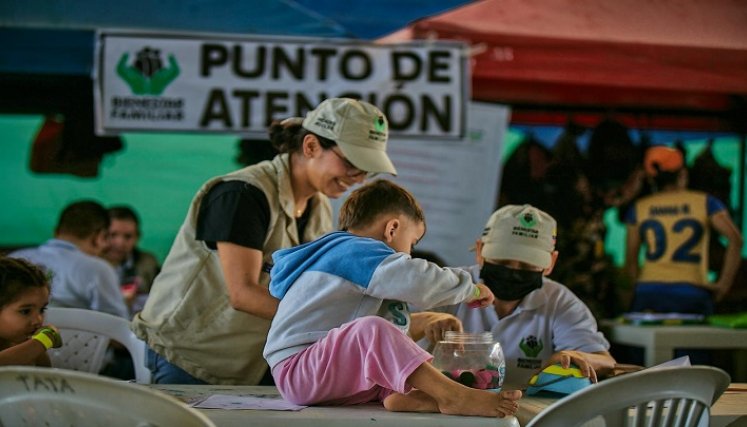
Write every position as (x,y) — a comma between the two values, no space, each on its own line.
(359,129)
(522,233)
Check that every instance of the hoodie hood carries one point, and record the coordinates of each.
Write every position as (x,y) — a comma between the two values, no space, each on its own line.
(330,253)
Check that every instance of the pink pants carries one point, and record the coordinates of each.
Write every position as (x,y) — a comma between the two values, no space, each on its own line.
(361,361)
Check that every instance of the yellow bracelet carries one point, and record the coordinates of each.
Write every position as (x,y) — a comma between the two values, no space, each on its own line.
(476,293)
(44,340)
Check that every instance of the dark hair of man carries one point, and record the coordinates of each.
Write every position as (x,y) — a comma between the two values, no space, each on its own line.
(83,219)
(124,213)
(368,202)
(17,276)
(287,136)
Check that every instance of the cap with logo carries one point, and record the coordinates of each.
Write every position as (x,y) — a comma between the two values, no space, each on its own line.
(520,232)
(662,159)
(359,129)
(556,380)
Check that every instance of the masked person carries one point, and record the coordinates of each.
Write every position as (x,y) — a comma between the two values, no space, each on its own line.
(537,321)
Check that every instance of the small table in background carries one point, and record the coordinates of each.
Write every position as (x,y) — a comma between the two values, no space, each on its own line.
(659,342)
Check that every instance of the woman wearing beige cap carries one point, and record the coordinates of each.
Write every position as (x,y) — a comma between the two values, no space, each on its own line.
(209,310)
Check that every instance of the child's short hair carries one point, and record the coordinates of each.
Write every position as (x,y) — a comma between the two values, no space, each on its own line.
(17,276)
(378,197)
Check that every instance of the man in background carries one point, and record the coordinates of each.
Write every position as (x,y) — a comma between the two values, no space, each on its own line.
(135,268)
(80,279)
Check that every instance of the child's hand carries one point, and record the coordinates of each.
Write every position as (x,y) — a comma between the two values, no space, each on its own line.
(440,323)
(48,336)
(483,299)
(129,291)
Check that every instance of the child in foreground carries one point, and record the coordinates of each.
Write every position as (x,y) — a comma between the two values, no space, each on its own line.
(24,295)
(340,334)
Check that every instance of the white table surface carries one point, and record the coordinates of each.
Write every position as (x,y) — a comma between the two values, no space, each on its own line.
(659,342)
(356,416)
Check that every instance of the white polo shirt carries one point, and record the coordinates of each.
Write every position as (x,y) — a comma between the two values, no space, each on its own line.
(546,321)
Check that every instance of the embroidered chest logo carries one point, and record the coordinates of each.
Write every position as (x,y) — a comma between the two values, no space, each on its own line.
(531,346)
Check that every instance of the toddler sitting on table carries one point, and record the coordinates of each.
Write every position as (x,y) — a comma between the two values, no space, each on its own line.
(340,334)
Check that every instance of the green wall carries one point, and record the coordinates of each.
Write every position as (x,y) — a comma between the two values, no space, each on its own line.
(157,174)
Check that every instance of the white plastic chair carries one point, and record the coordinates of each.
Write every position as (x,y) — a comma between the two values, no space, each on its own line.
(680,396)
(33,396)
(85,337)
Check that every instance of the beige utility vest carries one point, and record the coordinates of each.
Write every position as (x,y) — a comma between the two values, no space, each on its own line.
(188,318)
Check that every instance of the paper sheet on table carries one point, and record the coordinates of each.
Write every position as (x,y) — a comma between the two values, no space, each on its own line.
(674,363)
(226,401)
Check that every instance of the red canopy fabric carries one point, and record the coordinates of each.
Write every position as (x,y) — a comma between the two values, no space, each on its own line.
(646,54)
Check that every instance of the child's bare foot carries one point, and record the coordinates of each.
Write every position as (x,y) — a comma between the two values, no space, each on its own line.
(456,399)
(481,403)
(414,401)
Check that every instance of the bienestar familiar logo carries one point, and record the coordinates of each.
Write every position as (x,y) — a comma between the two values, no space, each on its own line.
(147,75)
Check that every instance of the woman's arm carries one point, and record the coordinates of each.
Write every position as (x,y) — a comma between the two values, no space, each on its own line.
(241,269)
(723,224)
(632,246)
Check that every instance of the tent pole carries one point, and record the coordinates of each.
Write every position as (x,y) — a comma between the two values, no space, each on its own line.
(742,153)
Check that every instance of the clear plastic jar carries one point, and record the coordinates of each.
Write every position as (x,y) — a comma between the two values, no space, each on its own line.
(472,359)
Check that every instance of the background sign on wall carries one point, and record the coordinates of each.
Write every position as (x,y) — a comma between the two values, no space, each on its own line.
(237,85)
(456,184)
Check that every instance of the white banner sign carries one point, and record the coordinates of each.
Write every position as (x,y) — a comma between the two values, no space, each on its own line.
(238,85)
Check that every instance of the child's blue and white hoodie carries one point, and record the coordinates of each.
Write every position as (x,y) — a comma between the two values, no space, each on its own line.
(340,277)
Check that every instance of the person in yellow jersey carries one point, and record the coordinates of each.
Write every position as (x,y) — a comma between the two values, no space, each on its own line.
(673,225)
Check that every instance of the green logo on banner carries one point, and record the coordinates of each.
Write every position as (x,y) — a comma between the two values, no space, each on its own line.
(147,75)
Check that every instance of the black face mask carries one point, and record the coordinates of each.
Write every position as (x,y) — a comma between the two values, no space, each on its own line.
(509,284)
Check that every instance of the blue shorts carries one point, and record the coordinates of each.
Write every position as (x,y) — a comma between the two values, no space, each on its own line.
(672,298)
